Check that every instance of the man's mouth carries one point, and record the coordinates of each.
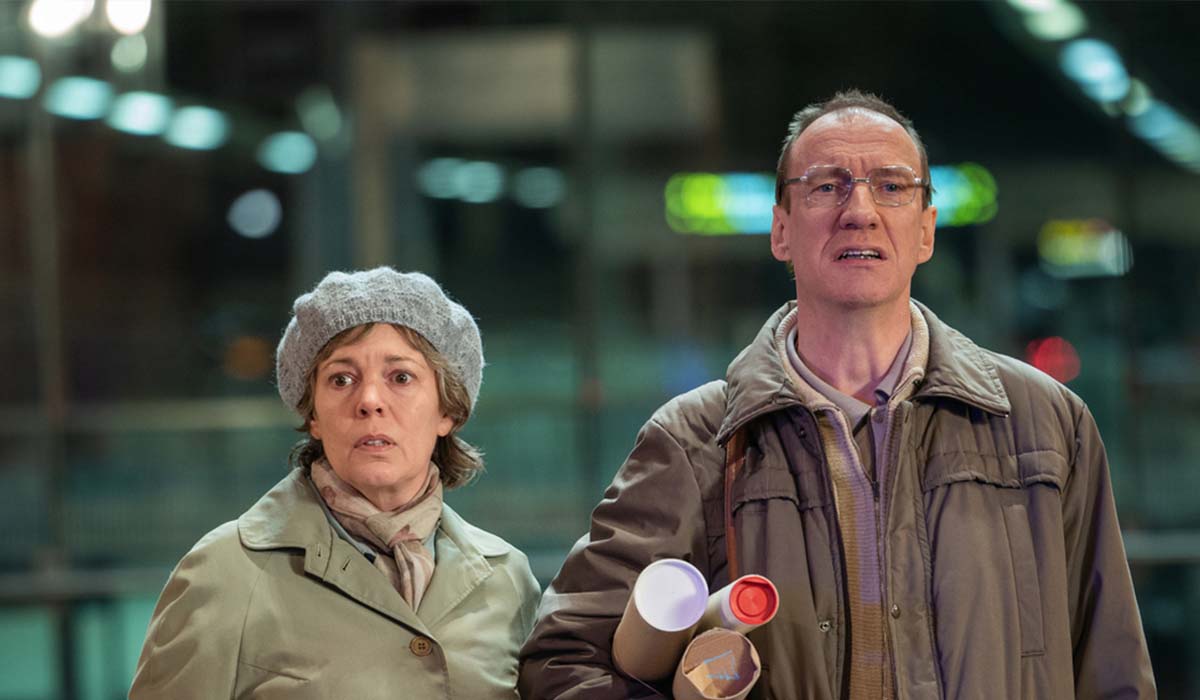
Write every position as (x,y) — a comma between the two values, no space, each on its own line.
(859,254)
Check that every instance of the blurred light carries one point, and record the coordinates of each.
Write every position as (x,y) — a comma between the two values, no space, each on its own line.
(719,204)
(748,201)
(1057,23)
(965,194)
(539,188)
(693,202)
(1054,356)
(1157,122)
(54,18)
(255,214)
(290,152)
(1035,6)
(197,128)
(1097,68)
(1138,100)
(1074,248)
(128,16)
(436,177)
(1169,132)
(77,97)
(129,53)
(248,357)
(19,77)
(713,204)
(140,113)
(319,113)
(478,181)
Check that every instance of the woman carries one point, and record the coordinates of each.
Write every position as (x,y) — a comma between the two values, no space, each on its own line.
(351,578)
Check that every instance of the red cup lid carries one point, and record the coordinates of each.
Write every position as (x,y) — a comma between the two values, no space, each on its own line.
(753,600)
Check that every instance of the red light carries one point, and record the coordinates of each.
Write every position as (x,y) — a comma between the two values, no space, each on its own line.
(1054,356)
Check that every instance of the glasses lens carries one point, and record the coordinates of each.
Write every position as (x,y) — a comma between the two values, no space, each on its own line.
(893,186)
(826,186)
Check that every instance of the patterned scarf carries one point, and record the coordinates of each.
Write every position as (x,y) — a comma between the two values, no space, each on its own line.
(402,531)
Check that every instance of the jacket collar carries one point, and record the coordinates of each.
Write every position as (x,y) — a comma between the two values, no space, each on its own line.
(289,516)
(757,381)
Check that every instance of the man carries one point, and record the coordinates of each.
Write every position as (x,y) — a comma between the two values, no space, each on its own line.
(938,518)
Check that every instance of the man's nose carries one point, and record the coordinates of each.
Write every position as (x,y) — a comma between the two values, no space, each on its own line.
(860,210)
(369,399)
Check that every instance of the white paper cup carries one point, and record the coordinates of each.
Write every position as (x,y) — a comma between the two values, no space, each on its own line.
(667,601)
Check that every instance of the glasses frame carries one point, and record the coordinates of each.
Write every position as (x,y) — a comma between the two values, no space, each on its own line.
(917,180)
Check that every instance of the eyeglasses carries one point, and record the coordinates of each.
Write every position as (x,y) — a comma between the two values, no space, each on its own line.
(830,185)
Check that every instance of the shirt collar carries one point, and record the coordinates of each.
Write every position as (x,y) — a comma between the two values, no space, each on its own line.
(854,408)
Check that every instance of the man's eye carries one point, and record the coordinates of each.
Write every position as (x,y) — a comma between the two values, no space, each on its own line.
(825,187)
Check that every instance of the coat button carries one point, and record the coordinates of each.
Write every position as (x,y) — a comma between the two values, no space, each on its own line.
(824,625)
(896,611)
(421,646)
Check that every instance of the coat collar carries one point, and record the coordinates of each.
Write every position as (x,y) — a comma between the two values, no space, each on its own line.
(757,382)
(289,516)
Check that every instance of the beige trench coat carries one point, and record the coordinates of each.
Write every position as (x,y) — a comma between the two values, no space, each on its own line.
(1005,573)
(276,605)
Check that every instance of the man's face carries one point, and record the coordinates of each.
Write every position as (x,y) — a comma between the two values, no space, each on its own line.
(860,254)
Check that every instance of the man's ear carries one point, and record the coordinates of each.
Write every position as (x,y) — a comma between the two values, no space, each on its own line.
(779,241)
(928,229)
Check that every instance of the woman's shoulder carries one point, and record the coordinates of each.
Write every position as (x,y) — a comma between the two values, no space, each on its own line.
(218,559)
(488,544)
(519,581)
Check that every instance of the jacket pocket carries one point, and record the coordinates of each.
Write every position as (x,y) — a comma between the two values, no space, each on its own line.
(261,683)
(996,488)
(1025,575)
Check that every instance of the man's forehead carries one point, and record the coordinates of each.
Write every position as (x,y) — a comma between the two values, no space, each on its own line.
(855,131)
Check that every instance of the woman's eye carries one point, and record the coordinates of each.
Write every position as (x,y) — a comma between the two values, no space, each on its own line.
(341,380)
(402,377)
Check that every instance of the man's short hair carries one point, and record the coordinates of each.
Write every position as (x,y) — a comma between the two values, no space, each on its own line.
(848,99)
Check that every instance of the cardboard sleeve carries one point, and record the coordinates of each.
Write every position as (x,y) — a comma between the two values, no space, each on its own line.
(749,602)
(719,664)
(666,603)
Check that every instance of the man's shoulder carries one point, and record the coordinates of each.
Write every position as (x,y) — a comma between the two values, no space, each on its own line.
(997,381)
(1030,387)
(696,414)
(1045,414)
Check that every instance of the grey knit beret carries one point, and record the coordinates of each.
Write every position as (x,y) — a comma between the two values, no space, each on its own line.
(344,300)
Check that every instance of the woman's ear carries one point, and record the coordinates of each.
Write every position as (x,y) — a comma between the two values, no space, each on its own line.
(445,425)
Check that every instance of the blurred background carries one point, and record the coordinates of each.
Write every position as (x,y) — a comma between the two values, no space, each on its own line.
(592,180)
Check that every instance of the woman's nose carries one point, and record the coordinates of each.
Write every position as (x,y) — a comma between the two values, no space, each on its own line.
(369,402)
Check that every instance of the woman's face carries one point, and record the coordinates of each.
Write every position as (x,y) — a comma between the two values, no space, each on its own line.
(376,411)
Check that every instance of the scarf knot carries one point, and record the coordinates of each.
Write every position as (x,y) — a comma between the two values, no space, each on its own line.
(399,534)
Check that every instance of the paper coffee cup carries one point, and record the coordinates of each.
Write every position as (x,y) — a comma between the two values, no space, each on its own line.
(667,601)
(719,664)
(741,606)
